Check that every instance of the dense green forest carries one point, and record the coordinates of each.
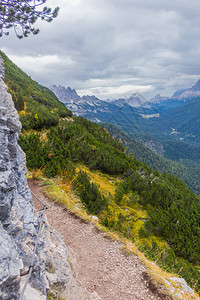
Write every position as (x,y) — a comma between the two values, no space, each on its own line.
(169,233)
(185,169)
(185,118)
(76,141)
(173,210)
(38,107)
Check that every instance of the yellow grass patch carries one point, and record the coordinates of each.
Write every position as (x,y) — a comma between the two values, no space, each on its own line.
(106,184)
(23,112)
(36,173)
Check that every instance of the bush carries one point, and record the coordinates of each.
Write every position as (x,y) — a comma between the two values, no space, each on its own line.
(90,194)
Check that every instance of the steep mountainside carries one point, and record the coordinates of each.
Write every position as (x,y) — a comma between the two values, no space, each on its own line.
(168,126)
(65,95)
(185,170)
(163,118)
(163,198)
(38,107)
(184,119)
(189,93)
(19,223)
(81,105)
(155,211)
(180,96)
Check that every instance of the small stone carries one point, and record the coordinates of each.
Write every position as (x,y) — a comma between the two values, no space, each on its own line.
(183,284)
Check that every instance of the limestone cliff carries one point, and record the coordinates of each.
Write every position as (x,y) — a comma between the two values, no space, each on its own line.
(19,223)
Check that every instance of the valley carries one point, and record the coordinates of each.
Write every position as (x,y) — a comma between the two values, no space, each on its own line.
(82,162)
(99,150)
(172,130)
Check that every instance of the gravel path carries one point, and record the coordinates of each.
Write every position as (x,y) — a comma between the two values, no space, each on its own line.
(98,263)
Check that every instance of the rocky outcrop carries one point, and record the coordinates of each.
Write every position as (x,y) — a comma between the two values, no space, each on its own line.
(155,146)
(19,223)
(65,94)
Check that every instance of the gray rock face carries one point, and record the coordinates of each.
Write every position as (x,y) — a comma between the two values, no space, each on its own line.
(65,94)
(18,221)
(182,284)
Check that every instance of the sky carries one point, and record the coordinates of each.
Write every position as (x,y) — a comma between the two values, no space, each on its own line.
(114,48)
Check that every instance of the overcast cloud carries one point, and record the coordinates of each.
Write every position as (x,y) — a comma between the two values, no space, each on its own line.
(114,48)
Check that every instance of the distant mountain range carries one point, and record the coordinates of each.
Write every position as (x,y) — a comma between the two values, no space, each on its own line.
(68,95)
(164,124)
(183,94)
(168,126)
(179,97)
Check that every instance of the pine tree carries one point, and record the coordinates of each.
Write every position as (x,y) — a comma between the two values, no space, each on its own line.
(22,14)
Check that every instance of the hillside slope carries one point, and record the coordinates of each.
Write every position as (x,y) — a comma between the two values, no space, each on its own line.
(172,122)
(156,211)
(38,107)
(185,119)
(169,221)
(185,169)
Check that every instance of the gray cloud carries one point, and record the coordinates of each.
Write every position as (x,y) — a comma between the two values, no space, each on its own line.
(112,47)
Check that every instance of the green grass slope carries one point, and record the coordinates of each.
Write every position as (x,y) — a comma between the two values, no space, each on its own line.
(171,230)
(157,211)
(38,107)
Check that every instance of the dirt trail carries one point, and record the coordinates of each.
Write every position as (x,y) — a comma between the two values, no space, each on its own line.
(98,263)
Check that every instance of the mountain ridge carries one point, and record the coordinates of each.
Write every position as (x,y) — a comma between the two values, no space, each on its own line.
(37,105)
(133,110)
(150,209)
(67,94)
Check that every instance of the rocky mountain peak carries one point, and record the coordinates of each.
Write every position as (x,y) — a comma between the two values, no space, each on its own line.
(178,93)
(196,86)
(190,93)
(65,94)
(134,101)
(89,98)
(158,98)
